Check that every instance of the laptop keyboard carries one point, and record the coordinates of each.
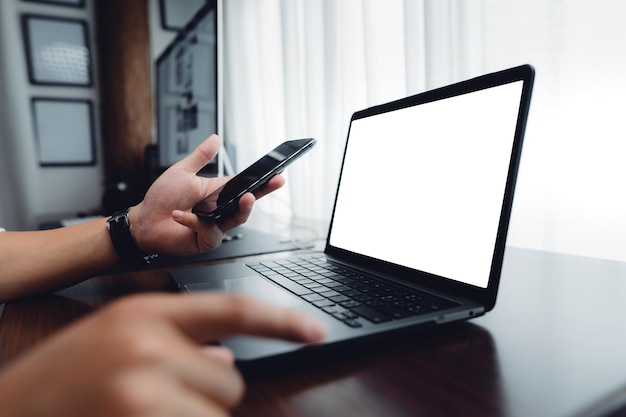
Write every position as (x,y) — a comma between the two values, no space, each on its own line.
(346,294)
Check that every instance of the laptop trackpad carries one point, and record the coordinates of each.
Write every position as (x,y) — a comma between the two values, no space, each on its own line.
(253,286)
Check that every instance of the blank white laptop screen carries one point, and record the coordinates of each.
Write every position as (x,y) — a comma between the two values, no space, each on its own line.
(423,186)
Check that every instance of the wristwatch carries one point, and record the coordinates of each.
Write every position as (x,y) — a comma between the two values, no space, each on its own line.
(123,242)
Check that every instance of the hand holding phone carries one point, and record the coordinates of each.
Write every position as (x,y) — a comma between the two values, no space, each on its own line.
(224,200)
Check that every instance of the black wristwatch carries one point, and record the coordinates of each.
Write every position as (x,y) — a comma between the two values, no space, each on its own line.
(123,242)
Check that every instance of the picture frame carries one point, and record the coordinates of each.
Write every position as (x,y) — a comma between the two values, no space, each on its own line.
(57,51)
(64,131)
(70,3)
(175,14)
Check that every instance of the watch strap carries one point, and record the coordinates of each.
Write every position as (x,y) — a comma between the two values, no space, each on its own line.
(123,242)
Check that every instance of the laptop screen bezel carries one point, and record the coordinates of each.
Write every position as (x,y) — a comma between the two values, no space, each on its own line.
(485,296)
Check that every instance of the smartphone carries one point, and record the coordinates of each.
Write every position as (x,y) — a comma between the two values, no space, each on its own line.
(226,199)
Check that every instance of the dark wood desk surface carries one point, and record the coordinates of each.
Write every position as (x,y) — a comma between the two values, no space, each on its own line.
(555,345)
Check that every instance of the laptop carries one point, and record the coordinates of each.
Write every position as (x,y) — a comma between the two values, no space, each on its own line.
(418,230)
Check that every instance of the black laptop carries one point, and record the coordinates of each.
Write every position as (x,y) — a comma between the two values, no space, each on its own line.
(419,225)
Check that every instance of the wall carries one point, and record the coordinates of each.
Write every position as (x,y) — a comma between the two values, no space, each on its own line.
(28,191)
(159,38)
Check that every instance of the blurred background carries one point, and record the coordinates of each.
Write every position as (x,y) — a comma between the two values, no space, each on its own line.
(86,125)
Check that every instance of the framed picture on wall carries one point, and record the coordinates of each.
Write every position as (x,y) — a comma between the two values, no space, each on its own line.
(73,3)
(57,51)
(175,14)
(64,131)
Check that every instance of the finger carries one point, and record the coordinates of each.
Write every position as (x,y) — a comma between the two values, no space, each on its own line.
(276,182)
(202,155)
(183,385)
(239,216)
(219,353)
(210,316)
(209,234)
(211,375)
(238,314)
(198,406)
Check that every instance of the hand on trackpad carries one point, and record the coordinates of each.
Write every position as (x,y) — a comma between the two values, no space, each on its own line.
(253,286)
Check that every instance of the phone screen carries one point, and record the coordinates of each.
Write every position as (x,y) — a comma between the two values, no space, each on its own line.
(225,199)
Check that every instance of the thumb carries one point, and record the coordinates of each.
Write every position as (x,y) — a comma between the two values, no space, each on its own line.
(202,155)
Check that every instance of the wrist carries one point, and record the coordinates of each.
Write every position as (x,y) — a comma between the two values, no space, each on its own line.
(124,243)
(134,227)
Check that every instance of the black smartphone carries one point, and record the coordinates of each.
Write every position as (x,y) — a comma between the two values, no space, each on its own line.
(225,199)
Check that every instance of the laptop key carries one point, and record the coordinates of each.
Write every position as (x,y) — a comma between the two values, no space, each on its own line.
(339,298)
(341,288)
(290,285)
(350,304)
(362,297)
(319,289)
(370,314)
(323,303)
(313,297)
(395,312)
(329,293)
(351,297)
(338,316)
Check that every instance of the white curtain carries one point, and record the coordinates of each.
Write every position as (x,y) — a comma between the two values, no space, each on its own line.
(299,68)
(570,195)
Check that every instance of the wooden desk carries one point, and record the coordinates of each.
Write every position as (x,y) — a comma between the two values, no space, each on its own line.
(555,345)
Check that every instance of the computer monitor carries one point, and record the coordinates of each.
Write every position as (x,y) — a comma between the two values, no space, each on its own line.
(188,89)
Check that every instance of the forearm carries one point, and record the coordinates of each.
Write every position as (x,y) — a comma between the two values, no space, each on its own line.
(36,262)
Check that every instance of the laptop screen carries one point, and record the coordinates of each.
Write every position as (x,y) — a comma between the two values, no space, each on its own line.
(423,186)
